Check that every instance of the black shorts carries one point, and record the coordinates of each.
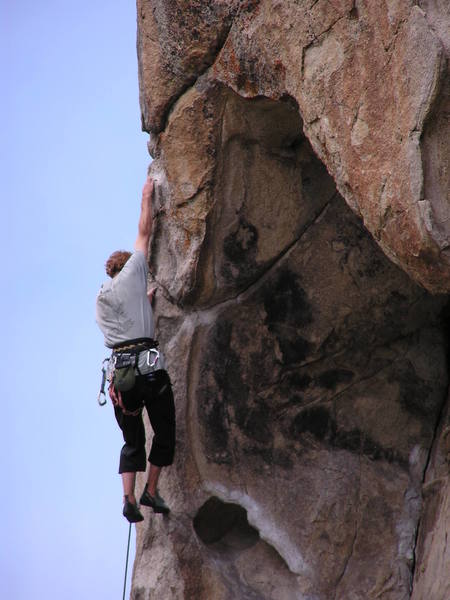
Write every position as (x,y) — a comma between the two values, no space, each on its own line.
(154,391)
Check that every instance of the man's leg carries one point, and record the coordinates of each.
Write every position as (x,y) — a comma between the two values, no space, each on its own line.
(153,476)
(150,496)
(132,456)
(161,411)
(128,481)
(130,508)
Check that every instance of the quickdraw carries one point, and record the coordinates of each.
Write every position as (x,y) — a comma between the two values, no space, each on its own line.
(100,400)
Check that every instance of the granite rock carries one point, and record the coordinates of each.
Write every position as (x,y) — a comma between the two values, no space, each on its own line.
(300,245)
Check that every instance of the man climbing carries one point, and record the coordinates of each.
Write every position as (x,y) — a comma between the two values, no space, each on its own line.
(139,378)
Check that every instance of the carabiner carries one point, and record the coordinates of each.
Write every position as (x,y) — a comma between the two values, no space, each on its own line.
(99,400)
(152,364)
(102,385)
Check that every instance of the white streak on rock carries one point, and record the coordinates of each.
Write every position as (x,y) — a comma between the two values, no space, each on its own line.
(268,531)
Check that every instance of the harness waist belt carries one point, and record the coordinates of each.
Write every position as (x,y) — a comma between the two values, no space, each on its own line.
(135,346)
(127,354)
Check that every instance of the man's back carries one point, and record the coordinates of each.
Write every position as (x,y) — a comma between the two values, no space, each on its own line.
(123,311)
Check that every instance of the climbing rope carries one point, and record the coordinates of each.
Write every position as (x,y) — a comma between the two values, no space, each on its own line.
(126,563)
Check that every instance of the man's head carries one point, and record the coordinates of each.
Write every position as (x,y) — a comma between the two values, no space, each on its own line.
(116,262)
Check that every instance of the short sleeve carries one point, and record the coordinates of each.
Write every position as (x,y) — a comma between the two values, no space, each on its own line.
(135,265)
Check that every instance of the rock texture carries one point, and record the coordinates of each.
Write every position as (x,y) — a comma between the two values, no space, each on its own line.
(432,578)
(301,149)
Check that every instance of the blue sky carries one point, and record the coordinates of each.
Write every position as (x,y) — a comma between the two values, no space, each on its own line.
(73,162)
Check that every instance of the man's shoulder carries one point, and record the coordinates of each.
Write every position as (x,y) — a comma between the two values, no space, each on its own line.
(136,262)
(134,273)
(138,256)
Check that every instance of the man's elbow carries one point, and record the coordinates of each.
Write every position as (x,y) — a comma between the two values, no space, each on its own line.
(142,242)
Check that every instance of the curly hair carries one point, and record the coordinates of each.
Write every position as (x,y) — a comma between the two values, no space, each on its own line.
(116,262)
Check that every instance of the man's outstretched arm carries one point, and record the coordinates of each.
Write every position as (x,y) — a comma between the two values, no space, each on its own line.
(145,220)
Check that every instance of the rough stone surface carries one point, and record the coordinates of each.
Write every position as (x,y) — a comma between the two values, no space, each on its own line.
(371,84)
(300,149)
(432,578)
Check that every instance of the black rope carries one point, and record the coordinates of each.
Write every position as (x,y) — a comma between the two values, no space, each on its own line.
(126,563)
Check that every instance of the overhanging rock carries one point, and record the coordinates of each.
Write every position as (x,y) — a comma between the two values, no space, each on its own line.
(301,151)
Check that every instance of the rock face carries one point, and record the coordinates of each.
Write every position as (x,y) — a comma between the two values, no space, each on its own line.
(301,149)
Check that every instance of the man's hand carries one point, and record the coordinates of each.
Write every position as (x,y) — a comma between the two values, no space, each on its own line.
(116,396)
(151,294)
(145,219)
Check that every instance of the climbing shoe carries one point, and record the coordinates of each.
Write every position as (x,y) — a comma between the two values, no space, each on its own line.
(155,502)
(131,512)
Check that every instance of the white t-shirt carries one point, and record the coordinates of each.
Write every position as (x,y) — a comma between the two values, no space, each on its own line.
(123,311)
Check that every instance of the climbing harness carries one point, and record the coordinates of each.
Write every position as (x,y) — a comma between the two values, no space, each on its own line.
(123,366)
(126,361)
(126,563)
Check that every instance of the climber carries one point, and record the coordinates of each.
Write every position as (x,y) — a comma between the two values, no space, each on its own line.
(138,376)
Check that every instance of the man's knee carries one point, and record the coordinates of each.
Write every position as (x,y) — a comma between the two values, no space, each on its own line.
(132,459)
